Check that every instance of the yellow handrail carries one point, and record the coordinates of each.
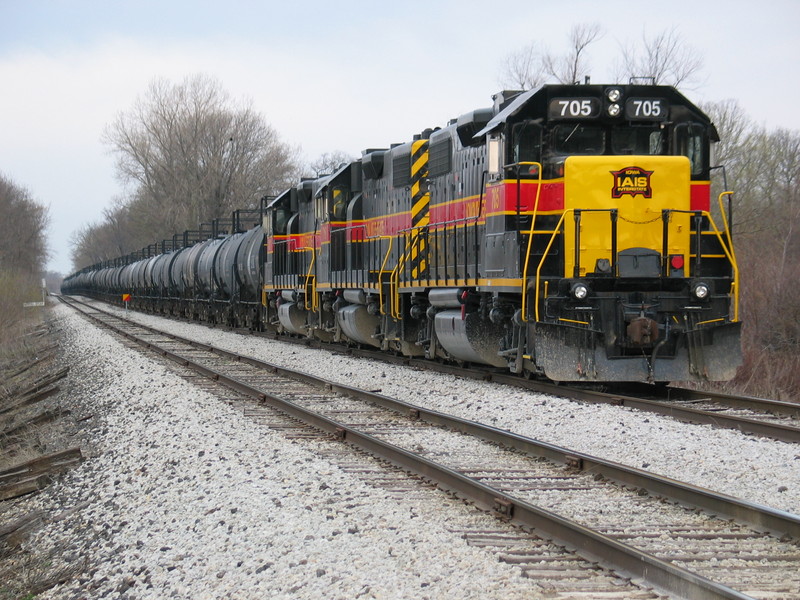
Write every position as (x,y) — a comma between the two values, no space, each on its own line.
(541,262)
(734,265)
(394,280)
(313,281)
(728,253)
(383,265)
(724,216)
(530,239)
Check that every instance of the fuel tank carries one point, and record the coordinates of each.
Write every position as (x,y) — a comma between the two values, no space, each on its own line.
(469,337)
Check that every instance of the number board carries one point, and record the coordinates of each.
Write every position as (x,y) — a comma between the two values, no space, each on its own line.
(574,108)
(646,109)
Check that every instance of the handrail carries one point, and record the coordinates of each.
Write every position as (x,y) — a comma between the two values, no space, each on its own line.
(530,238)
(394,279)
(380,273)
(724,216)
(728,253)
(288,242)
(516,167)
(313,280)
(541,263)
(735,261)
(445,223)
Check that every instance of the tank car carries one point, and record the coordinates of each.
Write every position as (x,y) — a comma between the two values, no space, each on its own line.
(212,274)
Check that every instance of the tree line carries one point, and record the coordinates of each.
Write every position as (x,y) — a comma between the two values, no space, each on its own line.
(187,154)
(762,166)
(23,252)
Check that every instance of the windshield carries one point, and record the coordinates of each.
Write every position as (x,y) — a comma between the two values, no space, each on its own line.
(578,139)
(636,140)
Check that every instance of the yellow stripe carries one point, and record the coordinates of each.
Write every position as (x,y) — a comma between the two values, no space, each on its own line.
(422,161)
(574,321)
(711,321)
(419,206)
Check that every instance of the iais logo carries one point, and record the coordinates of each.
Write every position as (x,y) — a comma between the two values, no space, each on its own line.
(634,181)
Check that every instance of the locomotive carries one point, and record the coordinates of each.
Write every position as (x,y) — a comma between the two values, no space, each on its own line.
(565,232)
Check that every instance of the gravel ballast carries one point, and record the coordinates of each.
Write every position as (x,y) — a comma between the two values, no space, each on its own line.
(183,497)
(756,469)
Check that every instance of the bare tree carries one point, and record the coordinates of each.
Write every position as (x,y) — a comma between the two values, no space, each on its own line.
(114,236)
(763,169)
(733,125)
(666,59)
(523,69)
(739,153)
(328,162)
(532,66)
(193,156)
(23,252)
(573,66)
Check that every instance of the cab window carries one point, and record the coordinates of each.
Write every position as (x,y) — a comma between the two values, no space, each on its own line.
(578,139)
(637,140)
(527,142)
(280,217)
(689,141)
(339,199)
(527,148)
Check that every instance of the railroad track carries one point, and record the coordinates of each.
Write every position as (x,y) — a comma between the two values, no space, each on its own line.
(682,551)
(754,416)
(774,419)
(750,415)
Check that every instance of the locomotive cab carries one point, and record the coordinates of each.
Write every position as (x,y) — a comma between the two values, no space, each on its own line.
(627,274)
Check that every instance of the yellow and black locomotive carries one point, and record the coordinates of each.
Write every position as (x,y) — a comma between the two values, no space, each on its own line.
(567,232)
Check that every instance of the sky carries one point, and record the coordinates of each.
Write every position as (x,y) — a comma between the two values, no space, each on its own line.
(331,76)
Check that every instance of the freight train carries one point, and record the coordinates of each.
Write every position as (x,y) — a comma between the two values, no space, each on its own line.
(566,232)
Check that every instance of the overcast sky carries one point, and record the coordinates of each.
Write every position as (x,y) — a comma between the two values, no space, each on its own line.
(329,75)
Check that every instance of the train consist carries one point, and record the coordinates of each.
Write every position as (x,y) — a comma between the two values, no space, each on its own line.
(566,232)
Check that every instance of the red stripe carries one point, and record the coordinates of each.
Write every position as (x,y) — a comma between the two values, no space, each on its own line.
(502,198)
(700,196)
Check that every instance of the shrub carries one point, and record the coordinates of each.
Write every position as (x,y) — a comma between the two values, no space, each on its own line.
(16,289)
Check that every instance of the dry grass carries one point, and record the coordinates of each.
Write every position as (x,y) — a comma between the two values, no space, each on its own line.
(25,574)
(16,355)
(770,270)
(15,290)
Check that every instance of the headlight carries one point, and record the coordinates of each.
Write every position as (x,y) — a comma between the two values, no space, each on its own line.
(700,290)
(579,290)
(614,95)
(613,110)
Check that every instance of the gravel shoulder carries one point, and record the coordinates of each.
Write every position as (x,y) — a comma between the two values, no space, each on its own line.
(183,497)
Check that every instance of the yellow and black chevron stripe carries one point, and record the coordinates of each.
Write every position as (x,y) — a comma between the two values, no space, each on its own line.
(420,202)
